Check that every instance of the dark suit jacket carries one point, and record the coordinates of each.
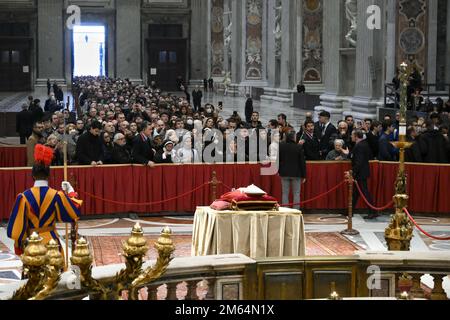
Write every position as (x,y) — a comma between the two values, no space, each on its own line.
(361,154)
(24,122)
(142,151)
(311,148)
(197,96)
(292,160)
(324,140)
(121,155)
(89,148)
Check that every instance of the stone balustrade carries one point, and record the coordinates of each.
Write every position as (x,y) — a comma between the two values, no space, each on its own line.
(237,277)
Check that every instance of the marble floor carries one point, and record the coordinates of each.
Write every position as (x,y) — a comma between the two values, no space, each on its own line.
(109,233)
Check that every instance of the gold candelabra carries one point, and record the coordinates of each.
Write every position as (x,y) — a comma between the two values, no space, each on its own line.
(399,232)
(43,266)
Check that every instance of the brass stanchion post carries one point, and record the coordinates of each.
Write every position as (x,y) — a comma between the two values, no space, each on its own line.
(214,183)
(350,231)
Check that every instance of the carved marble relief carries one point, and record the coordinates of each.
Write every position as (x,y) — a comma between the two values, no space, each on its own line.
(253,51)
(312,40)
(277,31)
(217,38)
(351,13)
(412,32)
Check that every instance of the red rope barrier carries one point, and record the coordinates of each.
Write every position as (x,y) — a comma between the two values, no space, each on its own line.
(423,231)
(145,203)
(226,187)
(317,197)
(389,205)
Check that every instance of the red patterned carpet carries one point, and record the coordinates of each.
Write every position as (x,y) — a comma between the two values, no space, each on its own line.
(107,250)
(329,244)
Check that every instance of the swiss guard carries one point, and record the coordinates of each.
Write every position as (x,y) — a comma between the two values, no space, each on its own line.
(39,208)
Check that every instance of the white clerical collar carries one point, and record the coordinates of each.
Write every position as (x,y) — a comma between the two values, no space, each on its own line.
(41,183)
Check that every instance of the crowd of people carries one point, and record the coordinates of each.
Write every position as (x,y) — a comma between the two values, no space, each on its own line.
(119,123)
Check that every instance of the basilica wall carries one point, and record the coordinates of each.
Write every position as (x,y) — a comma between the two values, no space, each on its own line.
(342,50)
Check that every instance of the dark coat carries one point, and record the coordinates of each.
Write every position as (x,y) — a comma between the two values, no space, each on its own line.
(37,113)
(361,156)
(159,157)
(121,154)
(89,148)
(24,123)
(311,148)
(248,110)
(142,151)
(432,148)
(197,96)
(324,140)
(386,151)
(372,140)
(292,160)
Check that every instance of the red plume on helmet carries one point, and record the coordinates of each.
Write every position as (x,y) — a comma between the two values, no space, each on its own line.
(43,155)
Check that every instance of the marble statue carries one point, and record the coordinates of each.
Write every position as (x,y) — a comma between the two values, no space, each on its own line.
(351,12)
(227,36)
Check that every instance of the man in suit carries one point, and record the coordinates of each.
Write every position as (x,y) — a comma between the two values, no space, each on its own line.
(361,155)
(197,96)
(89,150)
(142,151)
(310,143)
(292,168)
(248,109)
(323,131)
(24,123)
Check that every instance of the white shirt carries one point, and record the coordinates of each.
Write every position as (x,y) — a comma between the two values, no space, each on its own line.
(40,183)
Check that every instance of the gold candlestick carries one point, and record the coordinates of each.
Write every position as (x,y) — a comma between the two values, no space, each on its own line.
(399,232)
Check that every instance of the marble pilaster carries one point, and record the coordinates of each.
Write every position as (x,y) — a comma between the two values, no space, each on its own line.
(50,42)
(199,42)
(128,45)
(272,70)
(369,59)
(287,29)
(391,40)
(432,41)
(236,46)
(447,71)
(333,14)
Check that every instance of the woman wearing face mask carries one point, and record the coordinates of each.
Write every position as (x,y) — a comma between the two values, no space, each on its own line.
(189,124)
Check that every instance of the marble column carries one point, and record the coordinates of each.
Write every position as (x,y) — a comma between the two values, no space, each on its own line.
(369,59)
(199,42)
(287,58)
(227,49)
(447,72)
(331,100)
(299,42)
(236,46)
(432,41)
(270,91)
(128,40)
(50,42)
(391,40)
